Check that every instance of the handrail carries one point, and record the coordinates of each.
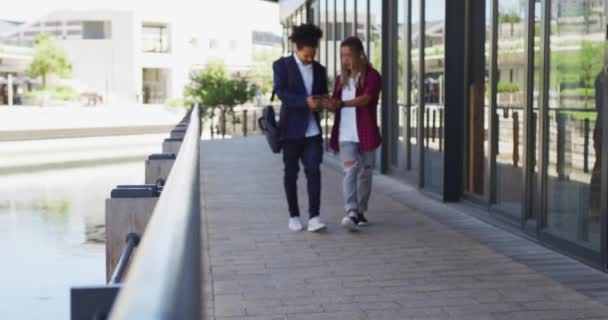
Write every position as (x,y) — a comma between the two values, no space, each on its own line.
(164,280)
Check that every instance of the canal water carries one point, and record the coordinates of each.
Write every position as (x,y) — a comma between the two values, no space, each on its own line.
(52,233)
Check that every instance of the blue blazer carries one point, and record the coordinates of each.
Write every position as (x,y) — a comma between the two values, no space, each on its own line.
(293,94)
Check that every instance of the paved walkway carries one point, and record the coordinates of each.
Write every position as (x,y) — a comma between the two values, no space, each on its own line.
(420,259)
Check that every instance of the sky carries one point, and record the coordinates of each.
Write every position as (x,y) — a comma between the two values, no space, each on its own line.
(264,14)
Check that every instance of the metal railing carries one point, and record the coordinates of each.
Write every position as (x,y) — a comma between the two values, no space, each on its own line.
(131,242)
(164,279)
(242,122)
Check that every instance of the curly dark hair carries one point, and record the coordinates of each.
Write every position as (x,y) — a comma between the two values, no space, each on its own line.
(306,35)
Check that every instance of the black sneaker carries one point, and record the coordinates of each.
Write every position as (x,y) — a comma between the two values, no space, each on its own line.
(361,220)
(351,222)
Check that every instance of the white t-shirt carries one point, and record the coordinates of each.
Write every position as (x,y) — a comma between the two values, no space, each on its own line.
(307,75)
(348,115)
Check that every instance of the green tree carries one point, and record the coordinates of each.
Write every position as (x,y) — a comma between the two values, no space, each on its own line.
(48,59)
(215,90)
(512,18)
(591,62)
(261,72)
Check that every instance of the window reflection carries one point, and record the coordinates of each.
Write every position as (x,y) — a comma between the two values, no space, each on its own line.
(575,108)
(433,93)
(511,82)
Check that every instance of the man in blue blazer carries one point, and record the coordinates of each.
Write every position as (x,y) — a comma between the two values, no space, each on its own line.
(297,78)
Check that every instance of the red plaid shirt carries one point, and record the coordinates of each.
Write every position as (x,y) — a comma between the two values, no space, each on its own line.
(367,117)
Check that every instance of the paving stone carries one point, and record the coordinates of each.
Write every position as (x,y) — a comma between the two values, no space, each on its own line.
(419,259)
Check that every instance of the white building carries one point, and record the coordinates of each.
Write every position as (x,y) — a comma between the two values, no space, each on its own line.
(128,56)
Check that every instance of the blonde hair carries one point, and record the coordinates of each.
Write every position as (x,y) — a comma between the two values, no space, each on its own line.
(360,62)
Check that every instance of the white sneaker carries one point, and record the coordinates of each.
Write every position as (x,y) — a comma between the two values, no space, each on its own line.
(295,224)
(315,225)
(351,222)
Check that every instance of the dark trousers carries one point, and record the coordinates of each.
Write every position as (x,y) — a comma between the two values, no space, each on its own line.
(310,152)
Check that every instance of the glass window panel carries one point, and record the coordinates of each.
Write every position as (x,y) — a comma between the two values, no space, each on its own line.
(536,119)
(362,21)
(333,60)
(340,21)
(414,84)
(350,18)
(401,21)
(510,105)
(575,107)
(434,93)
(375,50)
(155,38)
(323,26)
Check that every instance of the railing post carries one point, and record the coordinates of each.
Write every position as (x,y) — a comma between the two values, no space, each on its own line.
(515,139)
(244,122)
(441,130)
(233,114)
(427,113)
(223,123)
(325,130)
(586,133)
(496,124)
(533,139)
(561,145)
(255,120)
(434,135)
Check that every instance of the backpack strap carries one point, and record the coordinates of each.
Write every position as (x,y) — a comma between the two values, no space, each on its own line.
(283,122)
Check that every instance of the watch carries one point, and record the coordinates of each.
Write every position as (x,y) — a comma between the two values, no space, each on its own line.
(341,104)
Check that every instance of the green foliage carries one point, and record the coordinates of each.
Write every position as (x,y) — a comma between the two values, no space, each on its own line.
(511,18)
(261,72)
(578,69)
(56,93)
(213,89)
(48,59)
(579,92)
(507,87)
(376,54)
(64,93)
(176,103)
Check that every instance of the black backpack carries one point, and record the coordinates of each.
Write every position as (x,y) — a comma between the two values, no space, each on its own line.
(268,124)
(272,131)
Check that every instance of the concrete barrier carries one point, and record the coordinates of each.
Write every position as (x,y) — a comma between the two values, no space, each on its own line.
(128,209)
(158,167)
(178,133)
(172,145)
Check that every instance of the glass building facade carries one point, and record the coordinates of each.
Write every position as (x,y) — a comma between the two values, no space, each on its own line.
(497,103)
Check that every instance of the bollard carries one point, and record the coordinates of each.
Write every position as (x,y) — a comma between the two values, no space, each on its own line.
(128,209)
(158,167)
(172,145)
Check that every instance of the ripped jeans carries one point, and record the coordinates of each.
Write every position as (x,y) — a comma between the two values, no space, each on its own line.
(358,171)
